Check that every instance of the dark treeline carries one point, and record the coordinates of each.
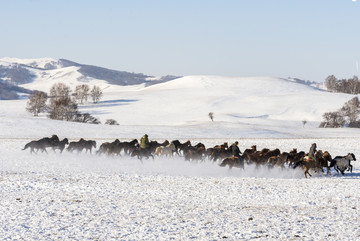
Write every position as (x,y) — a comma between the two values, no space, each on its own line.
(349,86)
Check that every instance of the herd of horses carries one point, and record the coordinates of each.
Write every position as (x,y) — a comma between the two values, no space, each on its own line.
(219,153)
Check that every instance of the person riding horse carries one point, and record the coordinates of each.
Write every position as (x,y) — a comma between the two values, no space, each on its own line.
(235,149)
(144,142)
(312,152)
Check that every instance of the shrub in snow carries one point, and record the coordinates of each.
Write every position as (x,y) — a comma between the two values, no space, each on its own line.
(111,122)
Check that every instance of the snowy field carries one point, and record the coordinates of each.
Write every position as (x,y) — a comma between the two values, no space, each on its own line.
(89,197)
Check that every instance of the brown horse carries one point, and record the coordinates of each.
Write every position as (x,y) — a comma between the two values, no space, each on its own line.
(220,152)
(317,164)
(323,160)
(246,154)
(261,157)
(195,153)
(109,148)
(233,162)
(278,160)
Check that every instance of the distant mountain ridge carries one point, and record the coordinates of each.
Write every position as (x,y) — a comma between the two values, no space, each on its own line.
(20,75)
(15,72)
(115,77)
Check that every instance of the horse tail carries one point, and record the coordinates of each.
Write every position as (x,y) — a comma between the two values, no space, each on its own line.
(26,146)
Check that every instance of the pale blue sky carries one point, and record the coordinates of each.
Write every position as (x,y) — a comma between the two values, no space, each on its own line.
(308,39)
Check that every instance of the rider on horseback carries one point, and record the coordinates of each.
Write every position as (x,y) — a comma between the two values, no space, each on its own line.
(235,149)
(311,154)
(144,142)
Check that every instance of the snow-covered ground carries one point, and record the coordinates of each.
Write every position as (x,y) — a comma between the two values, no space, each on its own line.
(88,197)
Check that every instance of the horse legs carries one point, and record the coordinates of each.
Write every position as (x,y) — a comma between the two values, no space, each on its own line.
(307,171)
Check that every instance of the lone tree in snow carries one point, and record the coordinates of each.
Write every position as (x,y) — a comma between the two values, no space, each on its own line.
(37,102)
(82,93)
(211,116)
(96,94)
(61,106)
(304,123)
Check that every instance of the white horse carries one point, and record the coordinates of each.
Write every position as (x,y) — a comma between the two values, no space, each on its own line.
(341,163)
(165,150)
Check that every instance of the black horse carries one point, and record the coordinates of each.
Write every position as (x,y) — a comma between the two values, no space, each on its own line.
(42,144)
(233,161)
(61,145)
(88,145)
(80,145)
(142,152)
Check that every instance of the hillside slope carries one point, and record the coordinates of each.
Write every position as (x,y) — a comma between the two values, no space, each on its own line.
(243,107)
(189,100)
(262,106)
(41,74)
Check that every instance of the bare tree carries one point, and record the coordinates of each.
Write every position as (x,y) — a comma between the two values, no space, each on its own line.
(330,83)
(61,106)
(96,94)
(62,109)
(59,91)
(351,110)
(211,116)
(304,123)
(37,102)
(332,120)
(353,86)
(82,93)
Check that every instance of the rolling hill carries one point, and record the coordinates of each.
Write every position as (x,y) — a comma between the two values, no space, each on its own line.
(40,74)
(242,106)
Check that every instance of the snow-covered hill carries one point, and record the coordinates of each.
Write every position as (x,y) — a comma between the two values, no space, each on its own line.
(41,74)
(188,100)
(242,106)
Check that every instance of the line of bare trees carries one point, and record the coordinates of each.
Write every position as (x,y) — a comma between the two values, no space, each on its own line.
(349,86)
(62,103)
